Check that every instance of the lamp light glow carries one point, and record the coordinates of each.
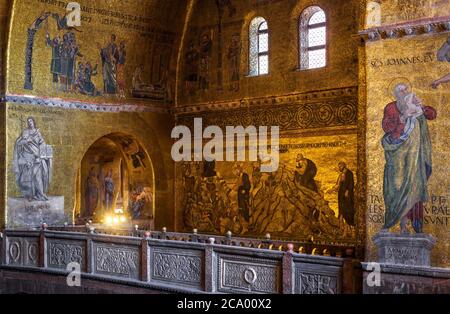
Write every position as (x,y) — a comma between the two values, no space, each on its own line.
(109,220)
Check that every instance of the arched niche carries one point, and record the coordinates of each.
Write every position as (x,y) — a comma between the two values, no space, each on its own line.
(116,173)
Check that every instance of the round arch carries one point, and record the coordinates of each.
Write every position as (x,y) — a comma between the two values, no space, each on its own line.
(145,132)
(116,174)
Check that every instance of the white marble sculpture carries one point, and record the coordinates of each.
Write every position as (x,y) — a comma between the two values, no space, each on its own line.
(32,163)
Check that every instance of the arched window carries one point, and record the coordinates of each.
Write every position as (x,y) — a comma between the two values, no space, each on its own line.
(313,38)
(259,47)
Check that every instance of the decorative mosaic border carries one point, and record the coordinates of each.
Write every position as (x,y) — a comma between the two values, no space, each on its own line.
(269,101)
(78,105)
(300,112)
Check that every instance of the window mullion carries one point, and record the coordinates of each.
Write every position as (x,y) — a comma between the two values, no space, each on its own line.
(317,47)
(319,25)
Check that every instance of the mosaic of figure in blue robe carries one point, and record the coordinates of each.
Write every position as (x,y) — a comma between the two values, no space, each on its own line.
(110,58)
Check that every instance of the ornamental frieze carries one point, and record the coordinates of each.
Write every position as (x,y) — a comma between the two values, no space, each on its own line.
(328,113)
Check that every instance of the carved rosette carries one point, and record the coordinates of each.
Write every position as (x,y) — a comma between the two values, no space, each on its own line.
(237,275)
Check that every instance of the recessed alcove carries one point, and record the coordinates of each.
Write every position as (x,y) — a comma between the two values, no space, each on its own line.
(115,184)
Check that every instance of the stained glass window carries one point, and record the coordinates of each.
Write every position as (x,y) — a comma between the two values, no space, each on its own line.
(313,38)
(259,47)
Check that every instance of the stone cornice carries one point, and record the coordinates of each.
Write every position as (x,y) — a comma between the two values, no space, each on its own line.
(85,106)
(268,101)
(412,28)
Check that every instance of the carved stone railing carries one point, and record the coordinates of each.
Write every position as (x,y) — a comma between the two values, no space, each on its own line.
(176,266)
(311,247)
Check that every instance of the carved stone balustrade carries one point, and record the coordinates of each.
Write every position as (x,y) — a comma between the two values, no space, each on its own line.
(174,263)
(306,247)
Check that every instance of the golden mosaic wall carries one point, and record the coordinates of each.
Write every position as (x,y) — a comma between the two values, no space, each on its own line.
(4,13)
(138,65)
(2,163)
(4,7)
(72,132)
(413,61)
(321,125)
(86,65)
(237,197)
(399,11)
(284,77)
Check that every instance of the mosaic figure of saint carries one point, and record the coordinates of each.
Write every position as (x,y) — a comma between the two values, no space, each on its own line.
(69,52)
(346,194)
(110,58)
(205,61)
(140,198)
(32,163)
(80,78)
(191,61)
(92,193)
(83,81)
(234,57)
(122,54)
(88,86)
(109,191)
(209,169)
(55,67)
(244,196)
(407,147)
(306,173)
